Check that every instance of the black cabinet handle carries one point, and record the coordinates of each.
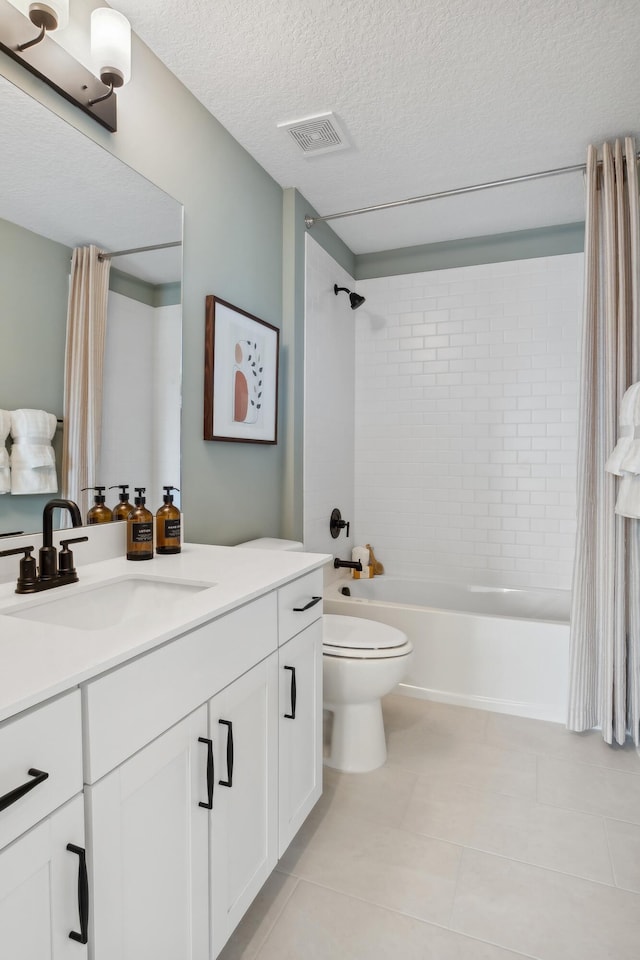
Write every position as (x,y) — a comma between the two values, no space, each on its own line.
(39,777)
(210,775)
(229,781)
(292,715)
(307,606)
(83,895)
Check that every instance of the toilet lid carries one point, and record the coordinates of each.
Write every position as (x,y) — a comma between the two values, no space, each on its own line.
(356,634)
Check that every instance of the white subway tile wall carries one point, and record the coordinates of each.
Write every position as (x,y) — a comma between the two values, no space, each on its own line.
(329,402)
(465,414)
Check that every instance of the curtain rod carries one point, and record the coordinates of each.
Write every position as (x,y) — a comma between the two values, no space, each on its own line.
(556,172)
(156,246)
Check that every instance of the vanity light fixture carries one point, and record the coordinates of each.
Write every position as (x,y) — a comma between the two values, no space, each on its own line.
(47,17)
(42,56)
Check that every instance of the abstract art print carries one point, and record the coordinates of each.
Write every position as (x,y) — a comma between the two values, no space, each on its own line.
(240,375)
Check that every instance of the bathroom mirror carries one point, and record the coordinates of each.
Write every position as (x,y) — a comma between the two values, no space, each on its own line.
(59,189)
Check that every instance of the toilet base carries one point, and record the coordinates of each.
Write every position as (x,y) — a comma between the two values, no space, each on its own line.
(357,740)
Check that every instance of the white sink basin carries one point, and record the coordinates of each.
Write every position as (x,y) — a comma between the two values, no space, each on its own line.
(108,604)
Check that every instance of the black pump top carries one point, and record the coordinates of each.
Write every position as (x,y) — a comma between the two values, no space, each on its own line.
(167,496)
(124,491)
(99,497)
(140,500)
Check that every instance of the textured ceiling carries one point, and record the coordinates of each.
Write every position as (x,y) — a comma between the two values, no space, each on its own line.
(62,185)
(434,94)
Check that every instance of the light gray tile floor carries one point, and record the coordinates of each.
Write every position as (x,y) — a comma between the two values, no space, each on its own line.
(484,837)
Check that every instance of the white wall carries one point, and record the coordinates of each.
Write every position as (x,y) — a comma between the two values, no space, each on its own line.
(328,470)
(465,412)
(141,414)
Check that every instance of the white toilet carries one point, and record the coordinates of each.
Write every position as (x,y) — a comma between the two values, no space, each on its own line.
(362,660)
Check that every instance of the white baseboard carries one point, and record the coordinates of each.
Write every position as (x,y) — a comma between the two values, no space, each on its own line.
(534,711)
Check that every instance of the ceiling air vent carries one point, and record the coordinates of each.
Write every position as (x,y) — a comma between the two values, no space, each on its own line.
(315,135)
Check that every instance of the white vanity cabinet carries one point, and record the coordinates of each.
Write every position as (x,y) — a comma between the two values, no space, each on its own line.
(43,884)
(300,697)
(200,758)
(149,856)
(243,727)
(300,731)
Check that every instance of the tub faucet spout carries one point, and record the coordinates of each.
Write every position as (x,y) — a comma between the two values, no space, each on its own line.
(350,564)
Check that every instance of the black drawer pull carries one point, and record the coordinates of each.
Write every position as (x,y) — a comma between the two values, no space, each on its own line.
(210,774)
(83,895)
(292,715)
(229,781)
(307,606)
(39,777)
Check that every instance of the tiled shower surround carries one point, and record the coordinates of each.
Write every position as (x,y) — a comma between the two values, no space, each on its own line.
(465,414)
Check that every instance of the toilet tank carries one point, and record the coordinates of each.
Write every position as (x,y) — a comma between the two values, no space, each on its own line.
(271,543)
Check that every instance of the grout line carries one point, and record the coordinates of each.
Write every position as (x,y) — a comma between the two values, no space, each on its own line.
(609,851)
(427,923)
(455,888)
(264,939)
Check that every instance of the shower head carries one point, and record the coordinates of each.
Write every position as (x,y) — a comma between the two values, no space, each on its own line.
(355,298)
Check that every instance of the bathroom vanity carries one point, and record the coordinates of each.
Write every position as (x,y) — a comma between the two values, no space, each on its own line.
(160,745)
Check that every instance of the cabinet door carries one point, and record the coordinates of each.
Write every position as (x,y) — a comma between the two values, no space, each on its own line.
(148,827)
(39,890)
(244,728)
(300,730)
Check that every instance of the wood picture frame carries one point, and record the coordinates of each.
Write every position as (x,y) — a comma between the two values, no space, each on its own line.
(241,365)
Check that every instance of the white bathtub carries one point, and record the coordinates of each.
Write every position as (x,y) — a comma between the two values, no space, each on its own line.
(497,649)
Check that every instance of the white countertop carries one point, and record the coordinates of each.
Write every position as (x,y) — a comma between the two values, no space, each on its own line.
(39,660)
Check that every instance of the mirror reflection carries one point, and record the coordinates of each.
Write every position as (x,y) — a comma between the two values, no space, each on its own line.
(60,190)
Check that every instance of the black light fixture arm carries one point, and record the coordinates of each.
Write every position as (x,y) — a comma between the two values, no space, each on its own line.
(32,43)
(106,96)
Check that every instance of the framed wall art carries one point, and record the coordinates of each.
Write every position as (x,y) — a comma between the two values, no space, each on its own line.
(240,375)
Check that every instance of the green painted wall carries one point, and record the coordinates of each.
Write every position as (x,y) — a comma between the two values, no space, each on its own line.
(520,245)
(34,289)
(154,295)
(232,248)
(295,207)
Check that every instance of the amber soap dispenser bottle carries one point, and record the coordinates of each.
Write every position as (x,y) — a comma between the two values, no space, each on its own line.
(99,512)
(168,524)
(140,530)
(122,510)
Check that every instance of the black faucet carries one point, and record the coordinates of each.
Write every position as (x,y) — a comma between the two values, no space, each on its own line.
(48,554)
(50,572)
(351,564)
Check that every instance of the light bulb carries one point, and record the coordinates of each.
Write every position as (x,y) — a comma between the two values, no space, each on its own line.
(111,46)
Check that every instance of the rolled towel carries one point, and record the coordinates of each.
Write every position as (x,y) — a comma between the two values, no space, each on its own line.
(625,457)
(5,470)
(628,502)
(33,460)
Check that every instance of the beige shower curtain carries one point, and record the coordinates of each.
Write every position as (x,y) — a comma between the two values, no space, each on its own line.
(84,358)
(605,616)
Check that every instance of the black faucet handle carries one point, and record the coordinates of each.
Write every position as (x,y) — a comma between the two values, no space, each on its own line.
(65,557)
(16,551)
(28,573)
(336,523)
(65,543)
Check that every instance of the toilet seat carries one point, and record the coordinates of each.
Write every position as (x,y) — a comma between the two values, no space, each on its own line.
(362,639)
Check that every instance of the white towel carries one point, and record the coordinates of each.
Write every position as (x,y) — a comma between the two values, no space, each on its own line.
(33,461)
(628,502)
(5,471)
(625,457)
